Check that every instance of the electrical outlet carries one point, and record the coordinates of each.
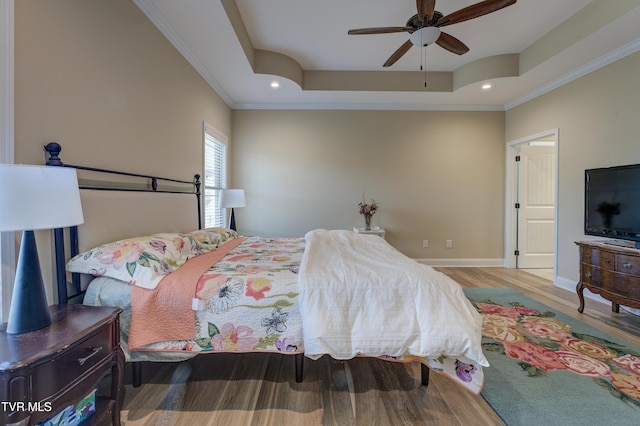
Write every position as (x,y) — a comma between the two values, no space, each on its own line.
(449,244)
(425,243)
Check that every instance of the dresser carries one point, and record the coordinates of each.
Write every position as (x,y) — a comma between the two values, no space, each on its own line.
(47,371)
(611,271)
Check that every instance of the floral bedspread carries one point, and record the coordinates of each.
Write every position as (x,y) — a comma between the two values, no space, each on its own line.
(247,301)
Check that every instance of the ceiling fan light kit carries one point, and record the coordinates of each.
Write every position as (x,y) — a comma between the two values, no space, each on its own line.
(425,36)
(424,27)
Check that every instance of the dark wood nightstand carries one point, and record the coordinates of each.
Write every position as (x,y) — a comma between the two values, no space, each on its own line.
(47,370)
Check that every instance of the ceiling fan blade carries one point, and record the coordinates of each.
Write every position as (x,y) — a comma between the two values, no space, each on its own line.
(398,53)
(452,44)
(425,8)
(380,30)
(474,11)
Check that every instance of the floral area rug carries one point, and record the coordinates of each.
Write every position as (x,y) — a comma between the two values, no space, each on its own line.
(550,369)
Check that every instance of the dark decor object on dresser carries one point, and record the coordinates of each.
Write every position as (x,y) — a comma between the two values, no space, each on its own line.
(45,371)
(611,271)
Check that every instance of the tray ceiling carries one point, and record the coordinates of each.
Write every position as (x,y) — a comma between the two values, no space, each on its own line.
(241,47)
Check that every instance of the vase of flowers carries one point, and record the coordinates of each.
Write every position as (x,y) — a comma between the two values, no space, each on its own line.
(367,210)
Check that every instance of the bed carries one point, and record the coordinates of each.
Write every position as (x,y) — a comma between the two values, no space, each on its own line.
(330,293)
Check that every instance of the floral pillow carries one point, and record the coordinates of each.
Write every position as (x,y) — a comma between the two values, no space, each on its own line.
(187,244)
(144,261)
(213,236)
(141,261)
(202,240)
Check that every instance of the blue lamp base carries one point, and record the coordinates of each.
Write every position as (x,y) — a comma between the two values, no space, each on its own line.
(232,223)
(29,307)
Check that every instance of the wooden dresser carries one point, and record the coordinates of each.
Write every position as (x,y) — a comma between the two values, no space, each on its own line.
(45,371)
(611,271)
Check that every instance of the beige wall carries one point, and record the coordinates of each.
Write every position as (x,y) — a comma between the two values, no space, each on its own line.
(100,79)
(437,175)
(597,118)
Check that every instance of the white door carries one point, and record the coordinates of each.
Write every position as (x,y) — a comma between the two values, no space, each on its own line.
(536,198)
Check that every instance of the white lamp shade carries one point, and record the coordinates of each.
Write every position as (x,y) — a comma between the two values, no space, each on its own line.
(38,197)
(425,36)
(232,198)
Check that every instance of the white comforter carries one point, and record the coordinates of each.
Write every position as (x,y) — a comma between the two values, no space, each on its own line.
(360,296)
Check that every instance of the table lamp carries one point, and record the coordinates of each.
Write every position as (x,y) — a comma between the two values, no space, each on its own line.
(231,198)
(32,198)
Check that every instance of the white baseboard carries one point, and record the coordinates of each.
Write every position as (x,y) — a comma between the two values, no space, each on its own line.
(565,283)
(570,285)
(462,262)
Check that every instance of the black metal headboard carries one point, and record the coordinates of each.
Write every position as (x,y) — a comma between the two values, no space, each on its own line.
(151,185)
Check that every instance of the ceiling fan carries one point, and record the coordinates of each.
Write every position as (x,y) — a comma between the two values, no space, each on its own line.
(424,27)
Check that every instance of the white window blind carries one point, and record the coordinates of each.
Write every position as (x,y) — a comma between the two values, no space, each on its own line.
(215,172)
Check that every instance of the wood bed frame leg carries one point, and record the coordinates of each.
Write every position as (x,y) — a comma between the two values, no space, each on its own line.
(136,371)
(424,375)
(299,360)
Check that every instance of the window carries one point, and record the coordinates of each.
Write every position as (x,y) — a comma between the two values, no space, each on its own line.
(215,176)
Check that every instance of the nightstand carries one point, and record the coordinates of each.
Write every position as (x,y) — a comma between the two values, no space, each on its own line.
(373,231)
(45,371)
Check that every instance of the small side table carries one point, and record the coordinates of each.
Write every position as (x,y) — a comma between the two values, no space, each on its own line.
(373,231)
(45,371)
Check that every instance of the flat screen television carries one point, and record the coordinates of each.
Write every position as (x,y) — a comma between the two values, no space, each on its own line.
(612,203)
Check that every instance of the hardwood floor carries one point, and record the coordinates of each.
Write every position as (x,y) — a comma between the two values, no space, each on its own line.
(260,389)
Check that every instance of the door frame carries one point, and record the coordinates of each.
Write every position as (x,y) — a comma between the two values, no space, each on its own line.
(511,195)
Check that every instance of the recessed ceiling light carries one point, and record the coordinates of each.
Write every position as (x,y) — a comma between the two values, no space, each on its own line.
(275,84)
(486,86)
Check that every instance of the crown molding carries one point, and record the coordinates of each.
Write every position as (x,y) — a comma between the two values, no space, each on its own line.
(157,18)
(369,106)
(590,67)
